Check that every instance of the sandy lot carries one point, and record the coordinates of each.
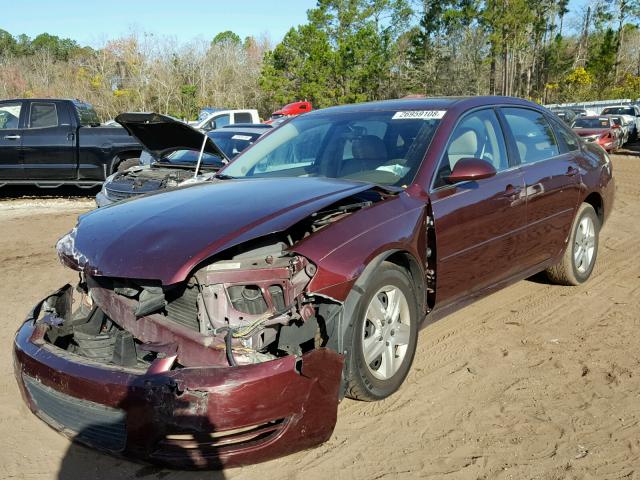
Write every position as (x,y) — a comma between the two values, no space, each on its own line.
(536,381)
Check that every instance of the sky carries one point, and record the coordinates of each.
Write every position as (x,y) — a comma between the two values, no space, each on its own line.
(91,22)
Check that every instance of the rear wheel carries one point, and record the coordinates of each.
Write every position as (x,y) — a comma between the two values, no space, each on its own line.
(580,255)
(384,335)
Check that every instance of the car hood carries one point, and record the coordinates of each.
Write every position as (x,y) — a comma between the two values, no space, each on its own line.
(161,135)
(163,236)
(585,132)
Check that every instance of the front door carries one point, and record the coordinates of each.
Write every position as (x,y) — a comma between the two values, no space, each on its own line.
(10,141)
(479,225)
(48,143)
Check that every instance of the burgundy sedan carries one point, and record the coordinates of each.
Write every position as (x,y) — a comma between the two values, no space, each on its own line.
(602,130)
(220,324)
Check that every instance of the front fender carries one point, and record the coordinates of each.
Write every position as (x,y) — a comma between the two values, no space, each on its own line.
(346,249)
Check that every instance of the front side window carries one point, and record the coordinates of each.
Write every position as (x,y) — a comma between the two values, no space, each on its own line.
(478,135)
(532,133)
(10,116)
(220,121)
(382,147)
(43,115)
(86,114)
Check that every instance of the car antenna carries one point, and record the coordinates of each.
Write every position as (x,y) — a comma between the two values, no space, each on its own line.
(204,143)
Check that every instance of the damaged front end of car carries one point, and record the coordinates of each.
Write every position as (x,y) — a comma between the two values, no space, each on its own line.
(233,365)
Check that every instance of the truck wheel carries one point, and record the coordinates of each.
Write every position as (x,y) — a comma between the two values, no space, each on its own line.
(128,163)
(580,255)
(384,335)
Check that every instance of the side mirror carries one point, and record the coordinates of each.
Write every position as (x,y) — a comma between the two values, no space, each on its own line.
(471,169)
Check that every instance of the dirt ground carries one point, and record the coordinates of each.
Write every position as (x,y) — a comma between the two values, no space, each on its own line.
(534,382)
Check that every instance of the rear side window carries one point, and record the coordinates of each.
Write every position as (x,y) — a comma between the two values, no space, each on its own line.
(243,117)
(9,116)
(43,115)
(532,133)
(567,139)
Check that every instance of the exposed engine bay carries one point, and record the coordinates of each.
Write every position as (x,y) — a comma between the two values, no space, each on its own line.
(248,304)
(140,180)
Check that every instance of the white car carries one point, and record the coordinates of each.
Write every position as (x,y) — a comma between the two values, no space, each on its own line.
(222,118)
(631,114)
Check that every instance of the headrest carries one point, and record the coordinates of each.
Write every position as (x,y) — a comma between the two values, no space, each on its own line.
(369,147)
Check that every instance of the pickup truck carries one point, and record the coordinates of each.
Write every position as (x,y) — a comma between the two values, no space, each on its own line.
(54,142)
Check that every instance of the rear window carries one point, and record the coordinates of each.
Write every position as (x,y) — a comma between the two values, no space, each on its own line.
(243,117)
(591,123)
(87,114)
(618,111)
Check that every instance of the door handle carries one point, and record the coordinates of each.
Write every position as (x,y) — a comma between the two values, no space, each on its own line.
(512,191)
(571,171)
(12,137)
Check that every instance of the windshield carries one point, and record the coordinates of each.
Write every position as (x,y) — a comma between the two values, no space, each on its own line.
(376,146)
(190,158)
(232,143)
(618,111)
(591,123)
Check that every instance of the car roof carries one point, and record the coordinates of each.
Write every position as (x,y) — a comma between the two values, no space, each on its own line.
(252,130)
(263,126)
(426,103)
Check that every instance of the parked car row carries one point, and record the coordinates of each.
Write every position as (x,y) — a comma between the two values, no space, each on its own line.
(220,323)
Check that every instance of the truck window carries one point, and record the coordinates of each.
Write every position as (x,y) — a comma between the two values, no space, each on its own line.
(222,120)
(43,115)
(87,114)
(9,116)
(243,117)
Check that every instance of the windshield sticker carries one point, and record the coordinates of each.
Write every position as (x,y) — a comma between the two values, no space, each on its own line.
(417,114)
(241,137)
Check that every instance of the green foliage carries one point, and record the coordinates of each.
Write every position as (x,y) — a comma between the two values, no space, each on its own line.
(226,38)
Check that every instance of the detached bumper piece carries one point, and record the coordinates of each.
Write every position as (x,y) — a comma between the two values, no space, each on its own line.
(190,418)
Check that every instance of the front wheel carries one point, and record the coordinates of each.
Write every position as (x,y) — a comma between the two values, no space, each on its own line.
(383,336)
(127,164)
(580,255)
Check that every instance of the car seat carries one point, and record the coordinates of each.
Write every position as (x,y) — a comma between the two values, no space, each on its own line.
(369,152)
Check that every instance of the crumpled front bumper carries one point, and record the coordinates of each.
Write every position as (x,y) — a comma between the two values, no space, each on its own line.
(209,417)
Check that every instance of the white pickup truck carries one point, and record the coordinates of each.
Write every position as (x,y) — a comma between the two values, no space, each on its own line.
(631,113)
(222,118)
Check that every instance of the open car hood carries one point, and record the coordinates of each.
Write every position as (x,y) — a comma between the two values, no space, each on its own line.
(163,236)
(161,135)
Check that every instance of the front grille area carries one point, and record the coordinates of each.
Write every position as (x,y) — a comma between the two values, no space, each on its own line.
(117,195)
(182,307)
(94,424)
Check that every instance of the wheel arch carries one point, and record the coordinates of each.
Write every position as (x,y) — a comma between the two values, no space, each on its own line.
(595,200)
(121,157)
(401,258)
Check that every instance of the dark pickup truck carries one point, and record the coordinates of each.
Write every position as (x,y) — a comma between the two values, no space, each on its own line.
(51,142)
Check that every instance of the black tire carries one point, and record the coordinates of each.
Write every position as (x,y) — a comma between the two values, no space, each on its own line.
(128,163)
(361,384)
(567,272)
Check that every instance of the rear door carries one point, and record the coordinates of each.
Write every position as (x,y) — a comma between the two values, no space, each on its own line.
(552,180)
(11,140)
(48,142)
(479,224)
